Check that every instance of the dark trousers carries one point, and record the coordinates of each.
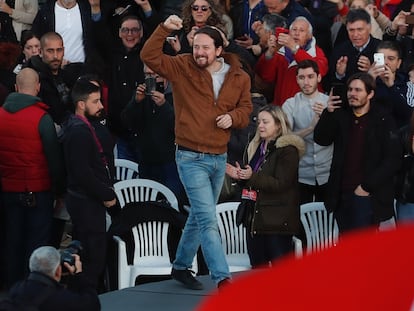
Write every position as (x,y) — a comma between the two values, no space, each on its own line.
(88,220)
(354,212)
(27,228)
(265,248)
(312,193)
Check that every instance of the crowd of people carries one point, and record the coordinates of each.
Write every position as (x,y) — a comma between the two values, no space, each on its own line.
(291,101)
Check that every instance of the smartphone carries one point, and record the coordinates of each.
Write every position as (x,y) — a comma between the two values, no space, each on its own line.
(150,85)
(379,59)
(170,39)
(339,89)
(279,30)
(410,19)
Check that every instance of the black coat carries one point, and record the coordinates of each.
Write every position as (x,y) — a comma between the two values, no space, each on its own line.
(54,89)
(87,174)
(393,100)
(79,296)
(127,72)
(404,187)
(154,126)
(381,157)
(347,49)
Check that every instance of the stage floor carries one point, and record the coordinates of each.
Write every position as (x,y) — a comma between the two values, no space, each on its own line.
(157,296)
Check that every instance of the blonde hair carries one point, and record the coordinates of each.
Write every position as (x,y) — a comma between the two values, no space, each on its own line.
(279,117)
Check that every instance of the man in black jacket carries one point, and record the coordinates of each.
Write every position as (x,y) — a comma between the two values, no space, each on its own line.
(42,288)
(55,82)
(365,159)
(357,53)
(150,115)
(89,183)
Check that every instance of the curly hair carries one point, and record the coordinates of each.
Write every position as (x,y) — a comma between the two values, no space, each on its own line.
(215,19)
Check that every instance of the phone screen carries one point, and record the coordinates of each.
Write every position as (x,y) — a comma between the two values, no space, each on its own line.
(339,89)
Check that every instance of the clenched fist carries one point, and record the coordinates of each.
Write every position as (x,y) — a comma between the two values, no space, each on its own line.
(173,22)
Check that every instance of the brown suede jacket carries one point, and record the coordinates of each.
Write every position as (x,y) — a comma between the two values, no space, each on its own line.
(195,107)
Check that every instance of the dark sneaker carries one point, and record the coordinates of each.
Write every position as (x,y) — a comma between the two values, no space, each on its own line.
(223,283)
(186,278)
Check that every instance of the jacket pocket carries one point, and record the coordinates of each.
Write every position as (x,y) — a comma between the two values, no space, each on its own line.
(273,215)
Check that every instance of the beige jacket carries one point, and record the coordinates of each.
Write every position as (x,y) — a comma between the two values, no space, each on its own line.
(23,15)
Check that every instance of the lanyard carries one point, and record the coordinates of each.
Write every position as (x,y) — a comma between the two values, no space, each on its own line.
(98,143)
(261,158)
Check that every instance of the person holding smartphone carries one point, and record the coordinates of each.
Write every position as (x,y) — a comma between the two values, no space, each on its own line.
(277,65)
(150,116)
(391,83)
(366,156)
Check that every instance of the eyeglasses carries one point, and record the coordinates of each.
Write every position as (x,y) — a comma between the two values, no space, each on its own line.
(203,8)
(133,31)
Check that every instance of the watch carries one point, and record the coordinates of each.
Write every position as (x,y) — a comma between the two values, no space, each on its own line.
(295,50)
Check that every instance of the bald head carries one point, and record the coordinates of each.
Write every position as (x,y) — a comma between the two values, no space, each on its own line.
(27,82)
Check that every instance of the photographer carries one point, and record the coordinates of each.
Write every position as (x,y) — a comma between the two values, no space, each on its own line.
(42,288)
(150,116)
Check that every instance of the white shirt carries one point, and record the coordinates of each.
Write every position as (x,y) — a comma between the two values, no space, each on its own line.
(316,163)
(68,24)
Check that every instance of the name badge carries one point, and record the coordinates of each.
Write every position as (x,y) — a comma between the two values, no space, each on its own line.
(249,195)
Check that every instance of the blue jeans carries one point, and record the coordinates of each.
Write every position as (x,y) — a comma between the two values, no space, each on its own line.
(202,176)
(405,212)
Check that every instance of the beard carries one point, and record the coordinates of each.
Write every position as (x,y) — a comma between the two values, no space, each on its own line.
(202,62)
(97,116)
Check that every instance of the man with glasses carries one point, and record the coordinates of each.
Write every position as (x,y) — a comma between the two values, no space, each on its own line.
(126,73)
(211,95)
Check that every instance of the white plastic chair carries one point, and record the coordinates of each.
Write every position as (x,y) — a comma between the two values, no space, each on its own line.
(142,190)
(151,256)
(233,237)
(125,169)
(320,227)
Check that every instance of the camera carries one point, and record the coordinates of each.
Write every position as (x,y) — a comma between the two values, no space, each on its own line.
(74,247)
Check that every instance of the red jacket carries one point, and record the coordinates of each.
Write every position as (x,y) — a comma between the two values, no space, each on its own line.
(23,165)
(277,70)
